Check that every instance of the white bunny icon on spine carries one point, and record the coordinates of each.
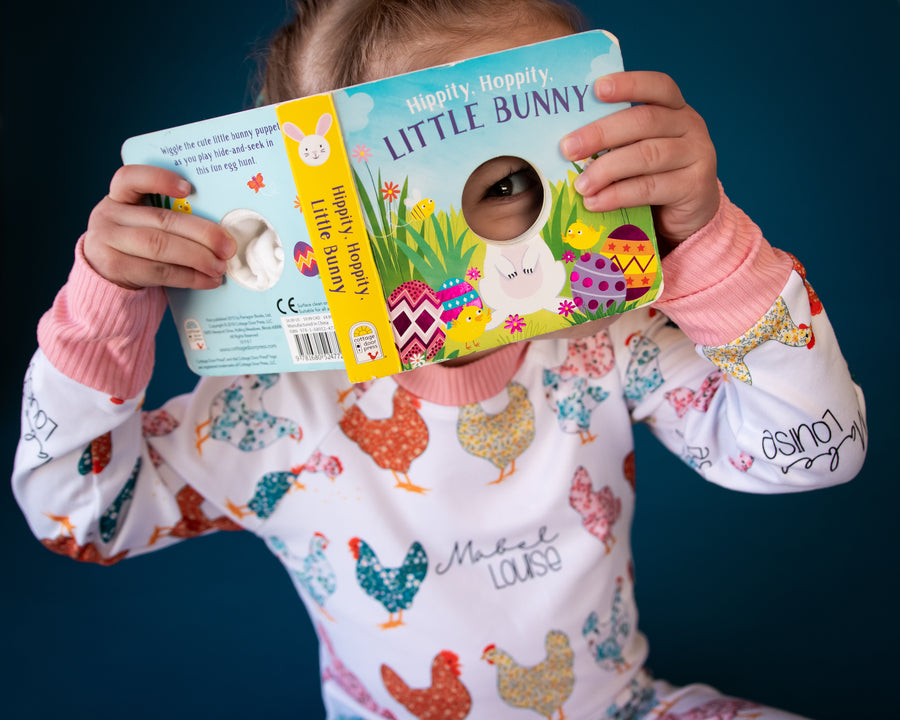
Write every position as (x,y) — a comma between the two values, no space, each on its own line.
(313,149)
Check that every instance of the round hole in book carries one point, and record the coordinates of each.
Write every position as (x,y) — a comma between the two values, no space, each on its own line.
(504,199)
(259,260)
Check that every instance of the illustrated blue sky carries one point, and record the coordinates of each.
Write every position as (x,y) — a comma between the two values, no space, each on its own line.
(370,112)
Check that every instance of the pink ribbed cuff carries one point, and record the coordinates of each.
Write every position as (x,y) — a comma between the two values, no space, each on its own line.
(100,334)
(723,278)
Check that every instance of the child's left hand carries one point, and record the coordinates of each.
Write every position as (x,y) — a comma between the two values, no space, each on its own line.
(662,155)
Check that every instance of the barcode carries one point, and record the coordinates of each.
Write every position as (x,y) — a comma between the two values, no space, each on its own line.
(315,346)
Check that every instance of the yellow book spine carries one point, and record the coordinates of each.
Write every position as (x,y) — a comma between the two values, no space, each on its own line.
(334,218)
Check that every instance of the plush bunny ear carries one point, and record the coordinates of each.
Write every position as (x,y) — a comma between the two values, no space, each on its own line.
(323,124)
(292,131)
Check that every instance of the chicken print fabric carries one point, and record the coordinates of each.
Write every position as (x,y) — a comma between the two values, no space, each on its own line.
(544,687)
(445,699)
(775,325)
(606,639)
(238,417)
(394,588)
(599,509)
(500,438)
(313,573)
(469,560)
(394,442)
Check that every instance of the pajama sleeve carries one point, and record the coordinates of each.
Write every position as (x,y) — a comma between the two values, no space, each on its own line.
(87,479)
(737,369)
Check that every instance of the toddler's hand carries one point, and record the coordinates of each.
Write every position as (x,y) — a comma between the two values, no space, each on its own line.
(661,155)
(137,246)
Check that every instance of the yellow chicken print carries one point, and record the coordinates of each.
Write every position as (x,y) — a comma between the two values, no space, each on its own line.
(469,325)
(581,236)
(498,438)
(181,205)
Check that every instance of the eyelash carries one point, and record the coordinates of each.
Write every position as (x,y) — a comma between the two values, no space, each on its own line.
(517,182)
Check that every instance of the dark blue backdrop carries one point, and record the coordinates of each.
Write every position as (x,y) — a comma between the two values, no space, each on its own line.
(790,600)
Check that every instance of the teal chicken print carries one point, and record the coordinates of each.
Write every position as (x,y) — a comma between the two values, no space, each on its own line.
(238,416)
(606,639)
(313,572)
(395,588)
(270,489)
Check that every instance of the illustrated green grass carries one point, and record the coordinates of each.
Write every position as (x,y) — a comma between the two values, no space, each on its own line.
(440,247)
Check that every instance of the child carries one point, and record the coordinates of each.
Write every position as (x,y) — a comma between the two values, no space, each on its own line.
(462,531)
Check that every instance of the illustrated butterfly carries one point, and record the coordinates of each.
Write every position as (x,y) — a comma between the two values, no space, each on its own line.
(256,183)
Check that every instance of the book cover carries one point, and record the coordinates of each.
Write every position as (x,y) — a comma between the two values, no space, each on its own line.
(374,223)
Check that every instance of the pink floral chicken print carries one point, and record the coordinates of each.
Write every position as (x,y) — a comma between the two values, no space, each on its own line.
(599,509)
(335,671)
(719,709)
(684,399)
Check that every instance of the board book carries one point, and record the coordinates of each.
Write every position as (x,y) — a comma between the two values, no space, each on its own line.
(350,213)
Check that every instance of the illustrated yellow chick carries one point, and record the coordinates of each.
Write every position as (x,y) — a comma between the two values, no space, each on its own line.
(181,205)
(581,236)
(469,325)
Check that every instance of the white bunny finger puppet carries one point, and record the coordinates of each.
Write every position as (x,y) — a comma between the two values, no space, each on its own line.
(521,277)
(314,149)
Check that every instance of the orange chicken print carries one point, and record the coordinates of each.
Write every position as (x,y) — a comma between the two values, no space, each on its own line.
(394,442)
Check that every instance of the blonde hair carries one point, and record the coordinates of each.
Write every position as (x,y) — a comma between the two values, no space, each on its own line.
(331,44)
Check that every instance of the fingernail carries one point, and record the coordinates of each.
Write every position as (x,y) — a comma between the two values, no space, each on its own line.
(603,86)
(184,189)
(582,184)
(231,249)
(571,147)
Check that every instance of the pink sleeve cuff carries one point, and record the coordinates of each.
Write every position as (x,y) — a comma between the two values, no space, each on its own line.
(100,334)
(723,278)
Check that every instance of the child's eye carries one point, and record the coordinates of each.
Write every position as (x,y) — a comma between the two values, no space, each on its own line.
(513,184)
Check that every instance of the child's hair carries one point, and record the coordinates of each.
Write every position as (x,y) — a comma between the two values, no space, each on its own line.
(331,44)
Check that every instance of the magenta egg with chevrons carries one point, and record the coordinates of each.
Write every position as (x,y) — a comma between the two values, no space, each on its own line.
(415,313)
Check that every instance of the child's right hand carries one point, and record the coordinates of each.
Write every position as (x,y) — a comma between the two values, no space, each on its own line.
(136,246)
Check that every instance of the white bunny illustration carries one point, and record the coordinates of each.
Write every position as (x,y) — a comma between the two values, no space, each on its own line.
(314,149)
(521,277)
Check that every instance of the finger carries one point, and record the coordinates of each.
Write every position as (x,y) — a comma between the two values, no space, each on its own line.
(652,88)
(658,189)
(132,182)
(624,127)
(157,245)
(647,157)
(141,273)
(109,216)
(192,228)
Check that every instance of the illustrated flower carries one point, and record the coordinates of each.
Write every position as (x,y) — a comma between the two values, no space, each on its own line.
(514,323)
(566,308)
(417,359)
(568,256)
(390,191)
(473,274)
(361,153)
(297,202)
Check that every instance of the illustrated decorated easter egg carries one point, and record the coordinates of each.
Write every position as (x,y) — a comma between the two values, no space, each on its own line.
(305,259)
(455,294)
(415,313)
(597,283)
(629,247)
